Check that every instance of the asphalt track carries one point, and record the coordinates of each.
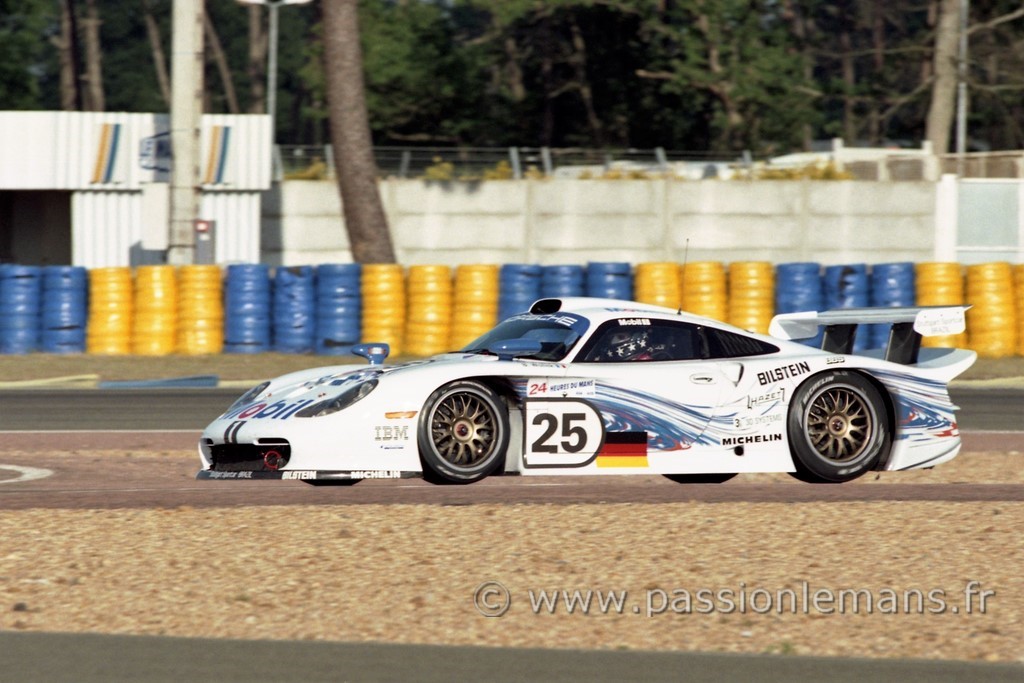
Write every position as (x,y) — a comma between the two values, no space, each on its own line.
(143,421)
(102,658)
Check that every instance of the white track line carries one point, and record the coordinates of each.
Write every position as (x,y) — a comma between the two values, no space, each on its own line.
(27,473)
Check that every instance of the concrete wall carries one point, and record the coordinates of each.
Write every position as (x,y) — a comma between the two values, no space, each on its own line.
(575,221)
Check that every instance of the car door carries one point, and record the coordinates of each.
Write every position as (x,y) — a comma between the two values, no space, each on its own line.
(650,377)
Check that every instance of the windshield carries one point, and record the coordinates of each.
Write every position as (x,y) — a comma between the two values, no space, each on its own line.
(556,332)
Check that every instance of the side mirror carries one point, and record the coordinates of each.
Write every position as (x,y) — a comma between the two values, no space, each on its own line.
(375,353)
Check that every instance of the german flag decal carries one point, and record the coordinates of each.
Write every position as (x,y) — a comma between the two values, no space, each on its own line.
(623,449)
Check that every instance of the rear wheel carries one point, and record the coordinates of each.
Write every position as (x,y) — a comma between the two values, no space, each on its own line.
(463,433)
(838,427)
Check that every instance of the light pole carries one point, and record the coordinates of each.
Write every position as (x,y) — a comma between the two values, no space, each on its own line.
(961,88)
(272,7)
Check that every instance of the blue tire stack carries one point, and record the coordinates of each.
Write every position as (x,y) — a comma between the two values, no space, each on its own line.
(798,287)
(339,308)
(20,305)
(892,285)
(294,312)
(65,309)
(610,280)
(562,281)
(847,286)
(247,309)
(518,288)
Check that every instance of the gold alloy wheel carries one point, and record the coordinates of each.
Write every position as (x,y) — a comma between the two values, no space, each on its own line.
(463,429)
(840,423)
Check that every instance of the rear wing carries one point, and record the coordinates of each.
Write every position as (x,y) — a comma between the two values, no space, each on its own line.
(909,324)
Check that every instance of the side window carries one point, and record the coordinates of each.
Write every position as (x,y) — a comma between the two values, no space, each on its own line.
(630,340)
(723,344)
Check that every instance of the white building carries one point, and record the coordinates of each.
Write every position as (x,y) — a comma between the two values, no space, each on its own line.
(90,189)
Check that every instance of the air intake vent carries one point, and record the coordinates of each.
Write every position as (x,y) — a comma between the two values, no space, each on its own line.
(545,306)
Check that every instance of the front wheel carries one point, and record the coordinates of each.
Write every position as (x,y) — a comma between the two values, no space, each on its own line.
(463,433)
(838,427)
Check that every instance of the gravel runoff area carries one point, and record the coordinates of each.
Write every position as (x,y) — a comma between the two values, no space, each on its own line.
(413,573)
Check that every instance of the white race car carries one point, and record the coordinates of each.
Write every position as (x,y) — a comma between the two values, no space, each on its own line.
(598,386)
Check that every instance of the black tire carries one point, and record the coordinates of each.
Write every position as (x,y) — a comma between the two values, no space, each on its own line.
(463,433)
(838,427)
(700,478)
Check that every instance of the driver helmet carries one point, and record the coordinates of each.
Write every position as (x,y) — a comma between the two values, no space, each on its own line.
(629,346)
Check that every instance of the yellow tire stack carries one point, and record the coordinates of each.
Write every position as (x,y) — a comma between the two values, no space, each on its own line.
(109,326)
(428,328)
(704,289)
(941,283)
(751,295)
(1018,287)
(476,303)
(384,304)
(658,283)
(154,325)
(992,319)
(200,311)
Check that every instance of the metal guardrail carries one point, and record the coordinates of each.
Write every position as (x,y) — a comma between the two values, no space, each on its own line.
(483,163)
(495,163)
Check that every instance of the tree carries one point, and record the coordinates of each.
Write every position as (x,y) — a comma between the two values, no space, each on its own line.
(93,76)
(21,50)
(944,85)
(356,170)
(156,45)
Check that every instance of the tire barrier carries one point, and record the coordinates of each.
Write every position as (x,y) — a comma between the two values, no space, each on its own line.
(339,308)
(429,323)
(704,289)
(751,295)
(20,308)
(940,284)
(1018,288)
(154,323)
(892,285)
(111,302)
(519,287)
(475,303)
(610,280)
(163,310)
(657,283)
(294,327)
(65,309)
(200,310)
(846,286)
(248,308)
(992,318)
(384,305)
(798,287)
(562,281)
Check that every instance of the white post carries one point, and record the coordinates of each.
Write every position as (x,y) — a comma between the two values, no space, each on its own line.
(186,116)
(947,208)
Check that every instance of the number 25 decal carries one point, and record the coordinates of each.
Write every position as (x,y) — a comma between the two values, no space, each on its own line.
(561,433)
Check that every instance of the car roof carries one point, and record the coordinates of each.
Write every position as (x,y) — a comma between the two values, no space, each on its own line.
(599,310)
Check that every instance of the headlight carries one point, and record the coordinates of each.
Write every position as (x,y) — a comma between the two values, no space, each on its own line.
(342,400)
(249,396)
